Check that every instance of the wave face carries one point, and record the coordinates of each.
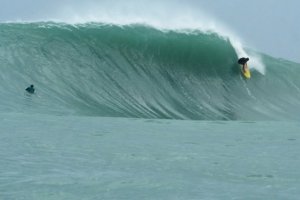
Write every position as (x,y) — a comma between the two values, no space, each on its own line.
(140,72)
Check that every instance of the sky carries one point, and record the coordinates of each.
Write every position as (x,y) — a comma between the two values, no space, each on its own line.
(268,26)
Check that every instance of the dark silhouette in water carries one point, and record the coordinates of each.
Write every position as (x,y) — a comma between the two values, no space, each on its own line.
(30,89)
(243,61)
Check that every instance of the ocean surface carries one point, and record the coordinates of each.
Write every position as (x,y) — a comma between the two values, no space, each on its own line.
(138,112)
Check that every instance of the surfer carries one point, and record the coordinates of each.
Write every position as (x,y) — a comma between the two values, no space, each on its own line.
(243,61)
(30,89)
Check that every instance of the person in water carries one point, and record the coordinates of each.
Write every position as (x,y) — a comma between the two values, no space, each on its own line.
(243,61)
(30,89)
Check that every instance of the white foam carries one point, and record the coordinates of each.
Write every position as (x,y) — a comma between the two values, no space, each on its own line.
(255,61)
(160,14)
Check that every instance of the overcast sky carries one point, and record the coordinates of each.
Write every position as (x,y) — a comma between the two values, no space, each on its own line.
(269,26)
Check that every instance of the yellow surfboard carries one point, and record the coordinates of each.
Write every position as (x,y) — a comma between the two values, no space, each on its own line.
(246,73)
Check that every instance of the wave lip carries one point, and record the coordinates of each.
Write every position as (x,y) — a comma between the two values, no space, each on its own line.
(139,71)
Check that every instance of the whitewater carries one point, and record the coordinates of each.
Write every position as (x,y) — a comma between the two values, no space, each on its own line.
(144,111)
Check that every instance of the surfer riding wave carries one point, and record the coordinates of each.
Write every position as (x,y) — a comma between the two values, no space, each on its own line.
(243,61)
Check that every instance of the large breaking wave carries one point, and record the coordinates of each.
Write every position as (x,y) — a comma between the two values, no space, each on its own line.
(141,72)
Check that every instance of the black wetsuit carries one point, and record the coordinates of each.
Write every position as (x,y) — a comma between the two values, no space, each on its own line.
(243,61)
(30,89)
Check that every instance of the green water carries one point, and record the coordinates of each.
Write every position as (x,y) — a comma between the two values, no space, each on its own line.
(141,72)
(47,157)
(135,112)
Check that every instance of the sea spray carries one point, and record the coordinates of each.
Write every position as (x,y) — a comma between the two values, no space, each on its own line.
(139,71)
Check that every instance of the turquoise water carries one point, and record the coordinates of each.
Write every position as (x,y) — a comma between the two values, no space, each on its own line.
(135,112)
(140,72)
(48,157)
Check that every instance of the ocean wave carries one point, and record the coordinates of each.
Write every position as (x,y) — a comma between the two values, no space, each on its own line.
(139,71)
